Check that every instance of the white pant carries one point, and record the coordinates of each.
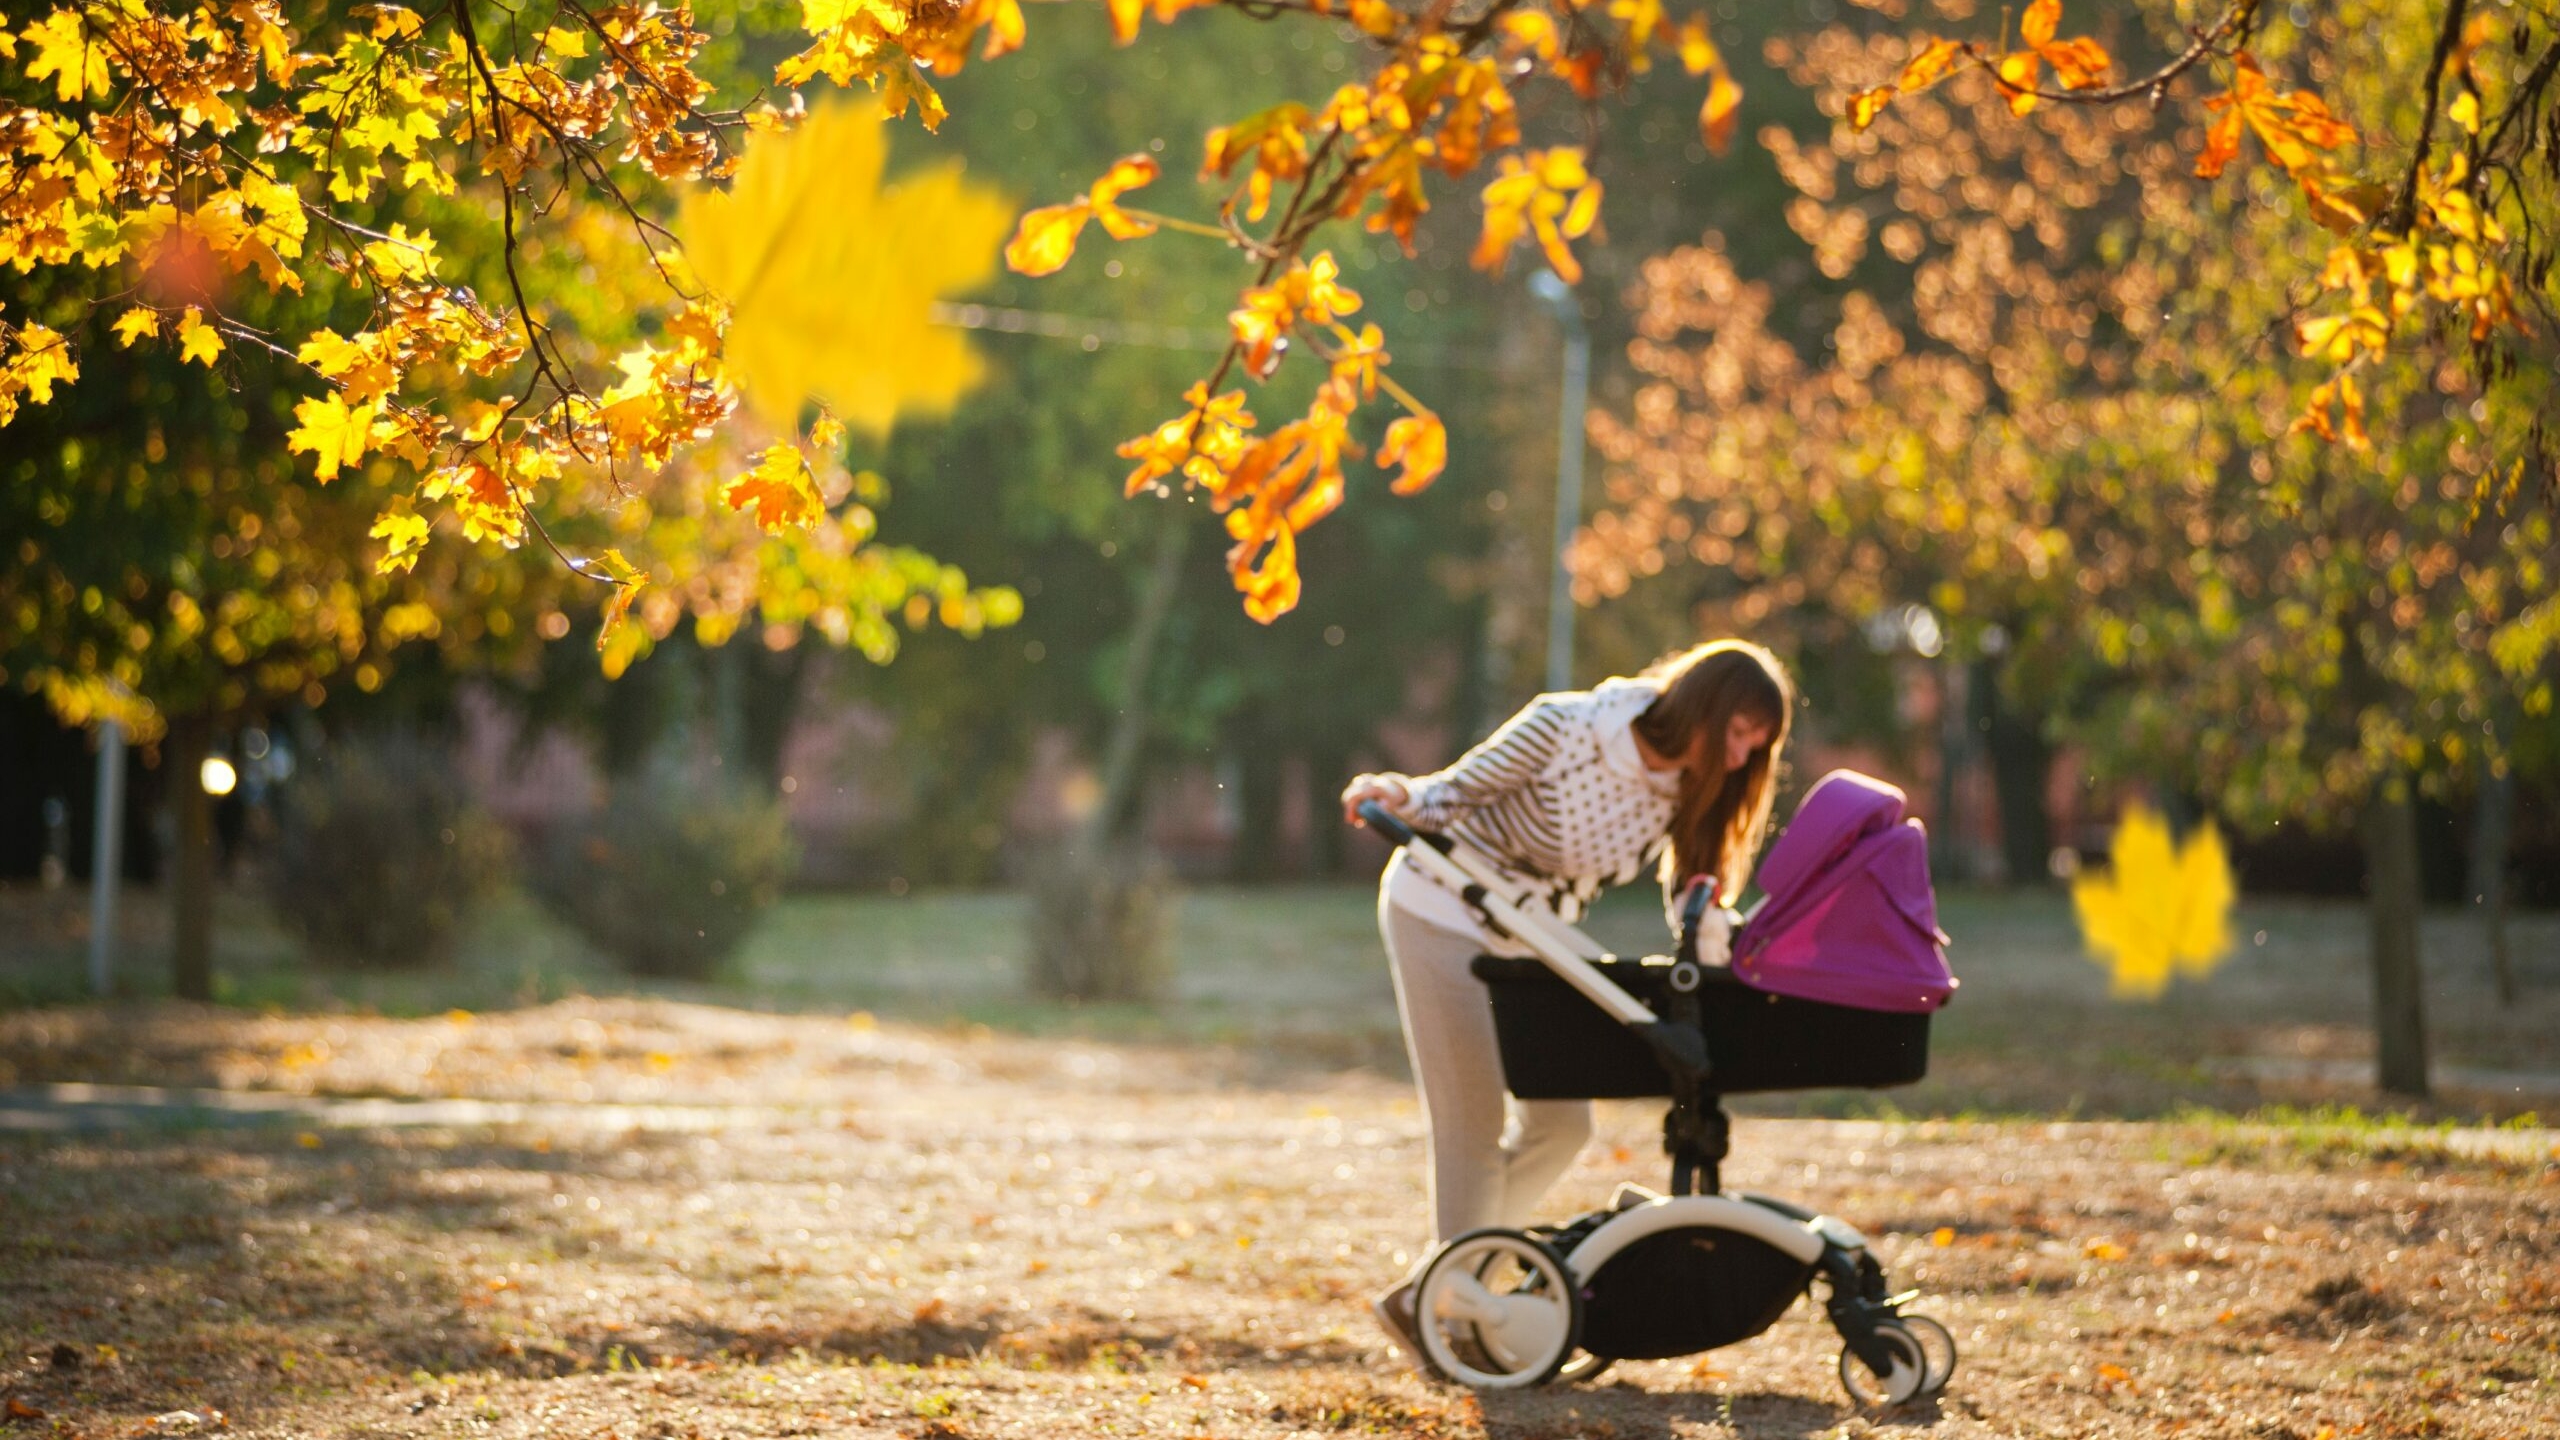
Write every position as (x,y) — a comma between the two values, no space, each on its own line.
(1492,1157)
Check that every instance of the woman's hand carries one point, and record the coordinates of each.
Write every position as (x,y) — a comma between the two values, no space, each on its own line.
(1387,790)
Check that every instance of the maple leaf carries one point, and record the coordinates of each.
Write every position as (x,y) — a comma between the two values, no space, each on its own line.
(198,341)
(66,51)
(404,535)
(2163,909)
(135,323)
(779,490)
(831,276)
(331,432)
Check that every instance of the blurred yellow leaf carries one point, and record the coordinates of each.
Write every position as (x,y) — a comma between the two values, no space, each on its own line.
(831,276)
(2163,909)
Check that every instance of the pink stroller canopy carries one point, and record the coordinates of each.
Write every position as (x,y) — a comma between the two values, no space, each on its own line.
(1849,917)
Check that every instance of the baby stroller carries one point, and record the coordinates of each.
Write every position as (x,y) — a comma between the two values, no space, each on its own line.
(1831,982)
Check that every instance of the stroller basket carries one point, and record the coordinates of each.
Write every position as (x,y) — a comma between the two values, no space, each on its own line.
(1558,1045)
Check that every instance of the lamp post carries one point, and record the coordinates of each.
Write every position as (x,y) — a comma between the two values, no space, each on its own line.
(1559,297)
(106,858)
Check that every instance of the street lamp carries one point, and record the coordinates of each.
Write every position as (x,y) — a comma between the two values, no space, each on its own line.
(1559,297)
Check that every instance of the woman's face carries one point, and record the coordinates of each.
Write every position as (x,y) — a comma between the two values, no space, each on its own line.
(1742,735)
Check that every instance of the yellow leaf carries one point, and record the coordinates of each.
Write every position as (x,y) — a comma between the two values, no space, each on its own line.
(2163,909)
(135,323)
(1866,105)
(2465,112)
(1046,239)
(1698,53)
(404,535)
(198,341)
(66,51)
(331,433)
(2018,80)
(831,276)
(1716,116)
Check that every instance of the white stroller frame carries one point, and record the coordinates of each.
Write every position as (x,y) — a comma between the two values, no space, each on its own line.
(1500,1309)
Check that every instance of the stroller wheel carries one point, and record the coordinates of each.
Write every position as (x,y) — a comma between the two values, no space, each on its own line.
(1497,1311)
(1583,1368)
(1937,1349)
(1898,1383)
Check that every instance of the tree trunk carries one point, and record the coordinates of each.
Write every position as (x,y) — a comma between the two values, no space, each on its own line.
(2021,764)
(2493,829)
(2390,833)
(191,888)
(1261,775)
(1129,725)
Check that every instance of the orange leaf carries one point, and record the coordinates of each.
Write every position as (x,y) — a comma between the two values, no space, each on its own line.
(2018,80)
(1421,444)
(2036,27)
(2081,63)
(1046,239)
(1124,19)
(2221,145)
(1866,105)
(1127,173)
(1929,66)
(1716,117)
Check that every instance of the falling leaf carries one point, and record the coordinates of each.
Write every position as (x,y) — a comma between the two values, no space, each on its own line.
(2103,1250)
(779,490)
(831,276)
(403,536)
(2163,909)
(308,1140)
(1943,1236)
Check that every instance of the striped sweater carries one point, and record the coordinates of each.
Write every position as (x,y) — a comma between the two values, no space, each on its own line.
(1559,797)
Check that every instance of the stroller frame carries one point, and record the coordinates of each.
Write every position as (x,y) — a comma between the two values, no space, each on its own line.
(1508,1309)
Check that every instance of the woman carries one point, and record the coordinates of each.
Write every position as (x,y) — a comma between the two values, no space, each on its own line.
(1581,790)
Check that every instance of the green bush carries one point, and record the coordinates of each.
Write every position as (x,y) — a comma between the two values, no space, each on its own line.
(380,856)
(669,876)
(1101,918)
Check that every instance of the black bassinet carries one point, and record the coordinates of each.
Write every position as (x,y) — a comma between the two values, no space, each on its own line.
(1557,1045)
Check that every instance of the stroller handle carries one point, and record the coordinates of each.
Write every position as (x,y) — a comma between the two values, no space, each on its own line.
(1393,826)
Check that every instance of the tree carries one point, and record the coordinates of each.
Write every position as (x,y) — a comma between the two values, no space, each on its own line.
(2300,627)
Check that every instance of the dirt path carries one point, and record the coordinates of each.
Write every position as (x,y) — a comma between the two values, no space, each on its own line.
(931,1235)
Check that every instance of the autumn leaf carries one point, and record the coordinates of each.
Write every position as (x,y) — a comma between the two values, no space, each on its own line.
(1716,117)
(2293,125)
(333,434)
(2164,909)
(779,490)
(198,341)
(1420,443)
(1046,239)
(831,276)
(136,323)
(1127,173)
(403,536)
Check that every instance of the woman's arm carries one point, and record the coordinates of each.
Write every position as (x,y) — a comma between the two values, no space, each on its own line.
(1506,760)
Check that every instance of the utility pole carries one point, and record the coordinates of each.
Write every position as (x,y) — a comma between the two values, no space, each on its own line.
(1550,287)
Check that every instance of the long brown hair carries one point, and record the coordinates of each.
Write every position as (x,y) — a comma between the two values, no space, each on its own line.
(1723,814)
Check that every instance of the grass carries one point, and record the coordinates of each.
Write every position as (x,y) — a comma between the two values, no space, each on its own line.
(1295,975)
